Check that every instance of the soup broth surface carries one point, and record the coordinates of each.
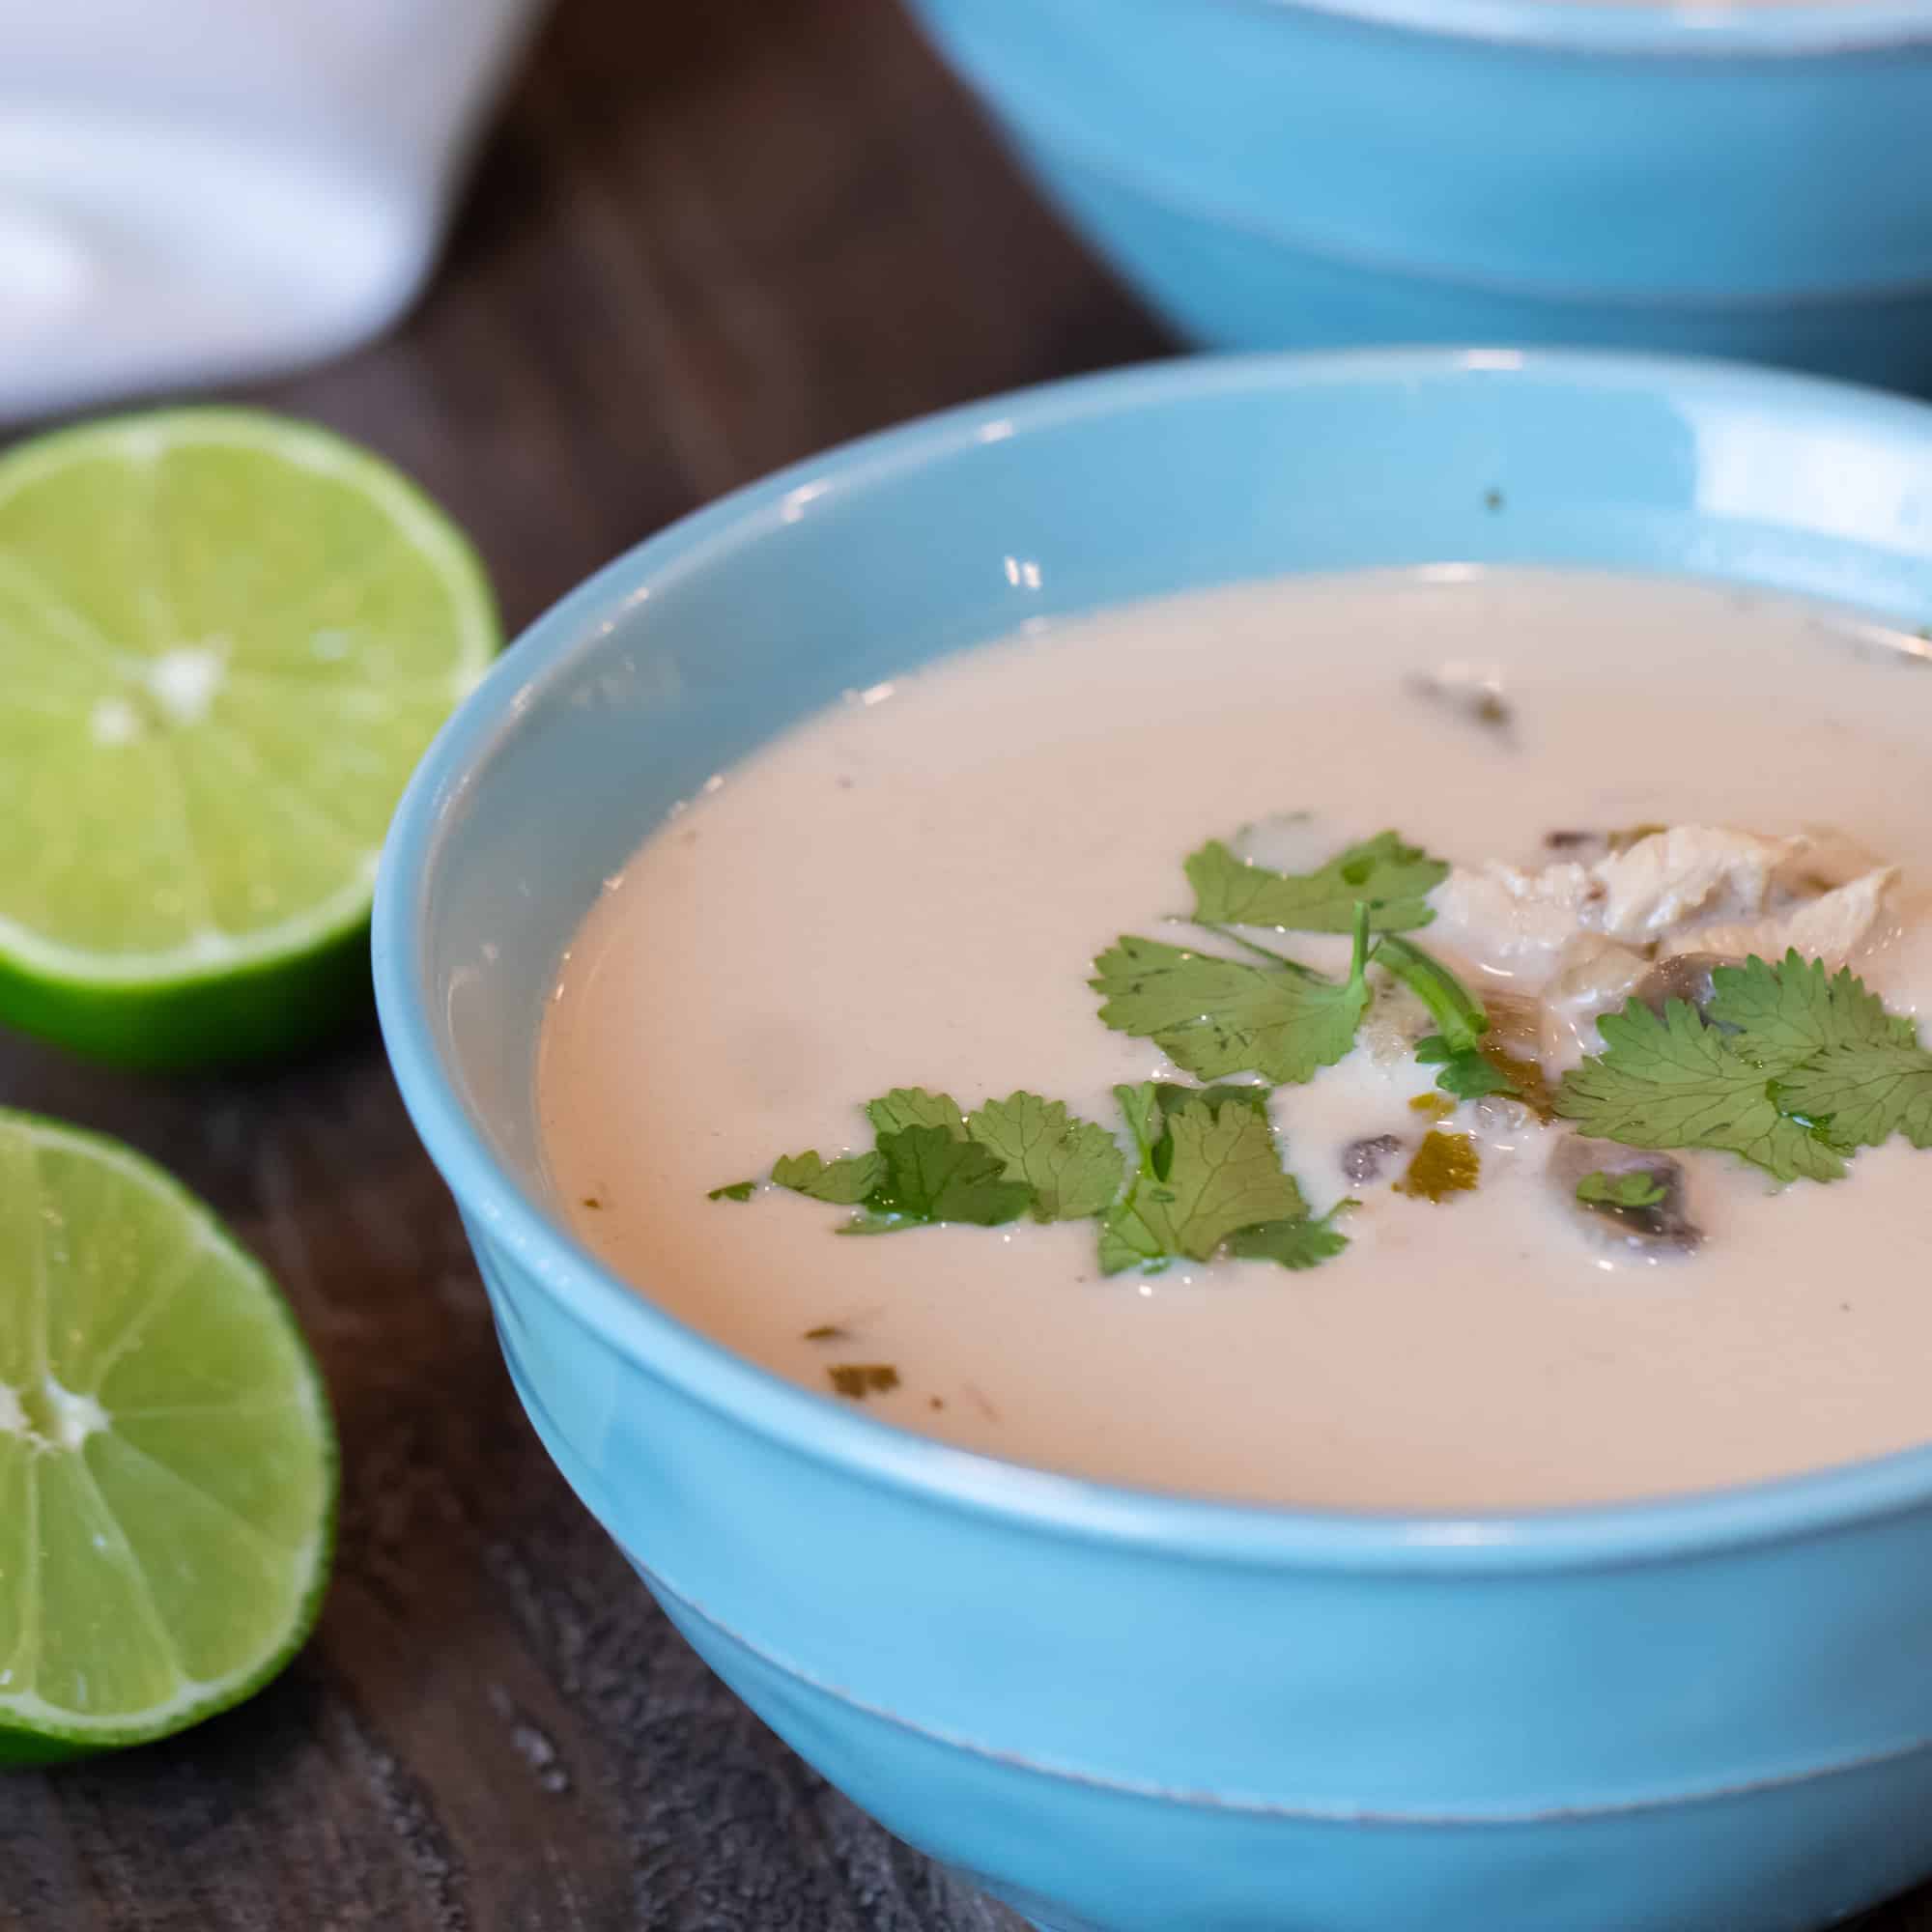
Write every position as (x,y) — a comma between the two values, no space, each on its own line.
(910,888)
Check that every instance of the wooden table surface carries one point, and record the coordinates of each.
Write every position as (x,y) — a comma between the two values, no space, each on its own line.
(703,240)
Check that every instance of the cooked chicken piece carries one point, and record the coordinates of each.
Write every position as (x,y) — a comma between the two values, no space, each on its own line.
(1831,928)
(1689,889)
(1508,912)
(1593,976)
(1689,871)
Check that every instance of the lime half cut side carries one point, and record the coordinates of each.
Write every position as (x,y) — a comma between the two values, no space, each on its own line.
(167,1464)
(225,640)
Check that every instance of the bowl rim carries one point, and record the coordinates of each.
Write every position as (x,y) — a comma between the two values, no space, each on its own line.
(1744,30)
(1170,1523)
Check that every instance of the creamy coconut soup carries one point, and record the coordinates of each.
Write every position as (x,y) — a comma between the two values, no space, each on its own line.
(1440,1041)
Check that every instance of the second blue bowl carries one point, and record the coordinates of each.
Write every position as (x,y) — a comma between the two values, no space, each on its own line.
(1747,180)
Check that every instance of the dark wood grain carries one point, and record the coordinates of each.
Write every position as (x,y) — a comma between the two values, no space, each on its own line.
(704,241)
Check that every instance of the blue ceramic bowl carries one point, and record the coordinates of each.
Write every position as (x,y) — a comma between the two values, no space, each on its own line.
(1126,1711)
(1750,181)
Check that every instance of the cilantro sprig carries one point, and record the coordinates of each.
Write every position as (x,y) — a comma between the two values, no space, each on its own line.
(1456,1046)
(1390,877)
(1205,1169)
(1213,1016)
(1206,1176)
(1790,1067)
(931,1163)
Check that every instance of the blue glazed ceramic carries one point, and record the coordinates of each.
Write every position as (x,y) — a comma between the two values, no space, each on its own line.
(1750,181)
(1127,1711)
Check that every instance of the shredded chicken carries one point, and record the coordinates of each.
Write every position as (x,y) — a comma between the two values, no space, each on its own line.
(1694,888)
(1831,928)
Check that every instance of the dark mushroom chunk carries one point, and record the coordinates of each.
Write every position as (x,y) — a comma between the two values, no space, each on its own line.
(1627,1198)
(1686,976)
(1363,1160)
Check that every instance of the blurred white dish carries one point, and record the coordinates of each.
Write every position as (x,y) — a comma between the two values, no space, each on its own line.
(218,187)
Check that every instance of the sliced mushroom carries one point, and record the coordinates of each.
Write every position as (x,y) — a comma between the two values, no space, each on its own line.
(1363,1160)
(1657,1228)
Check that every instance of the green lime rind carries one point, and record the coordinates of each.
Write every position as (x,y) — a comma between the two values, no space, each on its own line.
(229,638)
(269,1009)
(168,1463)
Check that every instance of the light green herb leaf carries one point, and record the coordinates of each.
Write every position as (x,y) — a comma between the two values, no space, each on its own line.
(1300,1241)
(1862,1094)
(1468,1072)
(1125,1239)
(914,1107)
(1171,1094)
(1224,1171)
(930,1177)
(1143,1107)
(1674,1082)
(843,1182)
(1388,876)
(1787,1012)
(1634,1189)
(737,1190)
(1215,1016)
(1072,1166)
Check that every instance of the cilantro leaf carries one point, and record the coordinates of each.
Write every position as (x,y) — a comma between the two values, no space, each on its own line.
(736,1190)
(1632,1189)
(1124,1238)
(1789,1012)
(1391,878)
(1862,1094)
(1468,1072)
(1215,1016)
(1300,1241)
(1172,1093)
(1223,1173)
(1126,1241)
(914,1107)
(843,1182)
(1073,1167)
(856,1380)
(1675,1082)
(929,1177)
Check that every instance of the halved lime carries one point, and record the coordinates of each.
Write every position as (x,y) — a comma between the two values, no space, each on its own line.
(225,640)
(167,1464)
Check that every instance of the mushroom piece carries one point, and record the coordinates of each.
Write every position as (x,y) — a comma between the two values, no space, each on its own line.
(1684,975)
(1652,1230)
(1363,1160)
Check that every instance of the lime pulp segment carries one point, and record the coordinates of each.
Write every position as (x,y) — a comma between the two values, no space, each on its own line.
(167,1464)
